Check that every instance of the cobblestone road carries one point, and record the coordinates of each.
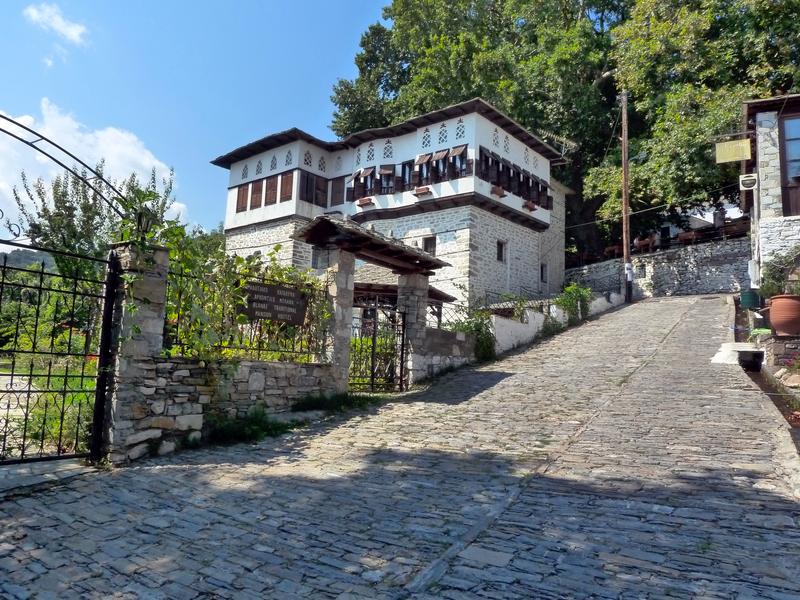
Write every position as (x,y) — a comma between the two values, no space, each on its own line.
(613,461)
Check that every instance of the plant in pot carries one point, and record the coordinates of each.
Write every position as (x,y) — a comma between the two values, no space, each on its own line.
(783,295)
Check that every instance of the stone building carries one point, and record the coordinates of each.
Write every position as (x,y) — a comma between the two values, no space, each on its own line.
(774,206)
(465,183)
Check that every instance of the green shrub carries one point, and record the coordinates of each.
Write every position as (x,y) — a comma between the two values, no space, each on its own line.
(337,402)
(574,300)
(478,323)
(252,428)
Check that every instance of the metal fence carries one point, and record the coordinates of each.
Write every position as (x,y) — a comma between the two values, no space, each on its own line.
(210,315)
(53,368)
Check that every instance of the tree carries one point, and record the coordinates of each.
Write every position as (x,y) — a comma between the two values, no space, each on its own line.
(70,216)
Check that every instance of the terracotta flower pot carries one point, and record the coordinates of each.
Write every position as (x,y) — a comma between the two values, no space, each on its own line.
(784,315)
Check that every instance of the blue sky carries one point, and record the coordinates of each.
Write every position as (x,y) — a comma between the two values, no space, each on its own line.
(171,83)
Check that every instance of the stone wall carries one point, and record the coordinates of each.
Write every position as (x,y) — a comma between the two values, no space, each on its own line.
(452,230)
(700,269)
(263,237)
(777,235)
(447,349)
(781,352)
(174,395)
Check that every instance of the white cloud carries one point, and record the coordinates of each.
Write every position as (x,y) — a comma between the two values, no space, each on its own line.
(48,61)
(123,151)
(49,18)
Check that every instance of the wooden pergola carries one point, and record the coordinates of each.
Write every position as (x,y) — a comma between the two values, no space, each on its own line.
(368,245)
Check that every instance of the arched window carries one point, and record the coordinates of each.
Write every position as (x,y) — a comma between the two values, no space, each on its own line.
(259,168)
(307,159)
(289,158)
(358,157)
(370,152)
(321,164)
(443,133)
(388,151)
(273,164)
(244,172)
(506,145)
(496,138)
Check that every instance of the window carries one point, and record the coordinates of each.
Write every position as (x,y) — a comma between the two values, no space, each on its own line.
(289,158)
(443,133)
(244,172)
(256,194)
(321,164)
(287,181)
(460,131)
(308,160)
(501,251)
(313,189)
(337,191)
(320,258)
(496,138)
(370,152)
(439,166)
(259,167)
(386,173)
(388,151)
(527,157)
(458,158)
(429,245)
(406,171)
(543,272)
(506,145)
(273,164)
(320,191)
(422,166)
(271,196)
(241,198)
(791,165)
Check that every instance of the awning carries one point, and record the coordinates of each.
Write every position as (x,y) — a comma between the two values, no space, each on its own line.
(386,170)
(458,150)
(357,174)
(367,172)
(422,159)
(439,155)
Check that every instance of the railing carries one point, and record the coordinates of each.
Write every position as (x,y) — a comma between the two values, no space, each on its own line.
(443,315)
(210,316)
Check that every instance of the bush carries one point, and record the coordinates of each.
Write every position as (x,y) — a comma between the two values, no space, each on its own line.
(337,402)
(478,323)
(574,300)
(252,428)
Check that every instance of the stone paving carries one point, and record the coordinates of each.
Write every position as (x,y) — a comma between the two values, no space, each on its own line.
(612,461)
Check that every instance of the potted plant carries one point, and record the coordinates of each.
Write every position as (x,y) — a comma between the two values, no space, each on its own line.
(783,296)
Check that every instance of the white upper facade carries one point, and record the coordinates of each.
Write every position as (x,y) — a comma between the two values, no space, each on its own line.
(292,173)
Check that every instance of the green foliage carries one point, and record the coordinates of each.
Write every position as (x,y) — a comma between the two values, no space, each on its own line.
(252,428)
(550,327)
(574,300)
(775,273)
(478,323)
(337,402)
(206,299)
(557,65)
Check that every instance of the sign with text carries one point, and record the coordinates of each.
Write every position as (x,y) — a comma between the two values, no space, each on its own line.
(276,303)
(733,151)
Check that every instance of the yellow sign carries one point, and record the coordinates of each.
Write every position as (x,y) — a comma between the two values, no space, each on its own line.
(733,151)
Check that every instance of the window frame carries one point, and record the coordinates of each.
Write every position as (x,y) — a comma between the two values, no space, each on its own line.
(543,273)
(502,251)
(426,241)
(242,201)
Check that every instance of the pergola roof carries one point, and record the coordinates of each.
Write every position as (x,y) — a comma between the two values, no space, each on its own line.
(476,105)
(368,245)
(375,280)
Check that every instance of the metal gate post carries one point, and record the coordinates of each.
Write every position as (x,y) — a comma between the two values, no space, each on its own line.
(402,351)
(105,359)
(373,358)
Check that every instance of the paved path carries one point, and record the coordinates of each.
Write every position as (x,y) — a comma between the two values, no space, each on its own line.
(611,461)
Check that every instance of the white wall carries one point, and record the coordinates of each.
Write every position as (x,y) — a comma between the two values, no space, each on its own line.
(536,163)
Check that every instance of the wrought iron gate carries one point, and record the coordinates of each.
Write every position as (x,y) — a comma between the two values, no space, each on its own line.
(377,348)
(56,317)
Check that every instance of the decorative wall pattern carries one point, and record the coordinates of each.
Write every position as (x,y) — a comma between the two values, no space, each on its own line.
(259,168)
(273,164)
(461,131)
(307,159)
(443,133)
(289,158)
(244,172)
(426,138)
(388,150)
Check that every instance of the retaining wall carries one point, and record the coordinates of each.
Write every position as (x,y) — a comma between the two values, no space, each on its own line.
(710,268)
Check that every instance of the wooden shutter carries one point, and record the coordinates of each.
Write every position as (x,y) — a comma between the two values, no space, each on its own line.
(287,181)
(256,194)
(350,197)
(337,191)
(358,188)
(271,196)
(415,177)
(241,198)
(398,184)
(321,192)
(470,166)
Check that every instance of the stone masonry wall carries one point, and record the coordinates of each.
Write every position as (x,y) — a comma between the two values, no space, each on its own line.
(552,244)
(451,228)
(778,235)
(700,269)
(175,395)
(519,271)
(447,349)
(263,237)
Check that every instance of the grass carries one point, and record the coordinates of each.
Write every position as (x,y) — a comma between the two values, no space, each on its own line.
(252,428)
(337,402)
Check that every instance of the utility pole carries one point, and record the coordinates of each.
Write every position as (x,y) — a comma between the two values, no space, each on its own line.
(626,223)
